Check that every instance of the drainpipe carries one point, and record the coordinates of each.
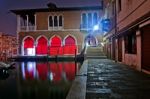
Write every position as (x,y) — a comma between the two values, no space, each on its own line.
(115,25)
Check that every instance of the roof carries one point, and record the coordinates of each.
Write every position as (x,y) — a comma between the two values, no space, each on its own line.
(56,9)
(5,34)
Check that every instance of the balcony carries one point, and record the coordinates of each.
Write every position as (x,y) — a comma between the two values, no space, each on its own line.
(59,28)
(26,22)
(27,28)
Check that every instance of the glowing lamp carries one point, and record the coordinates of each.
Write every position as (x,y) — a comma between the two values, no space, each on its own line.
(96,27)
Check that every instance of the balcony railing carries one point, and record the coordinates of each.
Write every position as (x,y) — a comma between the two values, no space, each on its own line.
(55,28)
(27,28)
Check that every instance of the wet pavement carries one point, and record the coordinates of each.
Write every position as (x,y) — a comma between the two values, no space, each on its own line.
(109,80)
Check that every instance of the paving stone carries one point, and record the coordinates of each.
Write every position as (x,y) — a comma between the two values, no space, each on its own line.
(109,80)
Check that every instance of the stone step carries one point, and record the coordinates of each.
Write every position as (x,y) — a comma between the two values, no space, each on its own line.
(95,52)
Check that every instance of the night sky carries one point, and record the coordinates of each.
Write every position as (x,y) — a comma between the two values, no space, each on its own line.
(8,19)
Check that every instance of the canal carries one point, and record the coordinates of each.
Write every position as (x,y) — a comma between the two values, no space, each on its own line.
(38,80)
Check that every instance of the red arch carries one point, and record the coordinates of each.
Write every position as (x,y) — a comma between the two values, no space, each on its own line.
(70,46)
(28,43)
(70,41)
(41,46)
(55,46)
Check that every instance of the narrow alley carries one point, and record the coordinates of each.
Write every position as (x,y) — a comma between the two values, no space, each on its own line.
(109,80)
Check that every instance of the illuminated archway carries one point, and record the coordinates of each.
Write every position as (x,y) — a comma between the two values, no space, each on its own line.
(42,46)
(90,40)
(28,46)
(55,46)
(70,45)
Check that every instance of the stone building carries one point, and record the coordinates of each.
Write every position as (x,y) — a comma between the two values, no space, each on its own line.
(8,46)
(57,30)
(129,43)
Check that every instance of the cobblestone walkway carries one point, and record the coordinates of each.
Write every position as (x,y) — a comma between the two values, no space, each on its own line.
(109,80)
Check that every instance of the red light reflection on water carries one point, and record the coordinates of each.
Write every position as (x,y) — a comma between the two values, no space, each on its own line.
(52,71)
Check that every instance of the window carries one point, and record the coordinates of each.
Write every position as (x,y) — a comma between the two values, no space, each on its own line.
(130,43)
(89,20)
(55,22)
(95,19)
(84,21)
(50,21)
(60,20)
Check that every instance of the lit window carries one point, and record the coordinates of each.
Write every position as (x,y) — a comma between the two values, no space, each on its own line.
(89,20)
(84,20)
(95,19)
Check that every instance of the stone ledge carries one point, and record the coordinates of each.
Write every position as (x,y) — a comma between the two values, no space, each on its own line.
(78,89)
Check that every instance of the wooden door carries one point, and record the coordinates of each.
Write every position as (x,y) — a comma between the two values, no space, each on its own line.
(146,47)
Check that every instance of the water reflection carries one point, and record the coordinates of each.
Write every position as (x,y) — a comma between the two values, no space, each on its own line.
(43,80)
(54,72)
(4,74)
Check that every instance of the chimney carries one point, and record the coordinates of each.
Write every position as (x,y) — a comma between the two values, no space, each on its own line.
(51,5)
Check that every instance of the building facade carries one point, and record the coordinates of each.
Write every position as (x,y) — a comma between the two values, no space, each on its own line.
(131,38)
(109,27)
(8,46)
(56,30)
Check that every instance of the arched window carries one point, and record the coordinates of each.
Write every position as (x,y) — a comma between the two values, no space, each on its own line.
(50,21)
(55,46)
(28,46)
(90,20)
(42,47)
(70,46)
(84,20)
(60,21)
(95,19)
(55,21)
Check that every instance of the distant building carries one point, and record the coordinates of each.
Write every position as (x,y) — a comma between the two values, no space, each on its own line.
(8,46)
(128,41)
(57,30)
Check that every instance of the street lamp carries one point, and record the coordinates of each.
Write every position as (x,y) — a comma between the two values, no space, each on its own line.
(96,27)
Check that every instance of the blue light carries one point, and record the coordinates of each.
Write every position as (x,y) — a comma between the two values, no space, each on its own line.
(96,27)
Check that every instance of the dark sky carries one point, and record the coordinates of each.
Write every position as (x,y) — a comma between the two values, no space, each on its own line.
(8,20)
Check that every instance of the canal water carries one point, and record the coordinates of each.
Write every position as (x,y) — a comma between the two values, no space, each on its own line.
(38,80)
